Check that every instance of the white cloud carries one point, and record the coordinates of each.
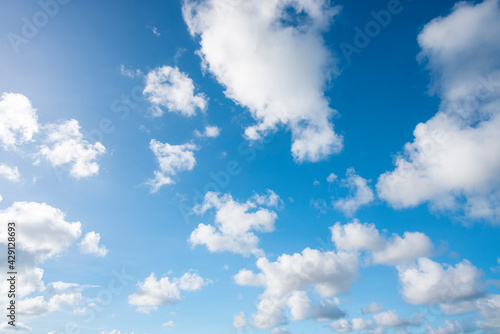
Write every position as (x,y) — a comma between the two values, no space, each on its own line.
(285,282)
(360,194)
(39,306)
(235,223)
(46,233)
(489,309)
(5,327)
(391,319)
(210,132)
(18,120)
(167,87)
(170,324)
(372,308)
(152,292)
(331,178)
(130,73)
(341,326)
(450,327)
(172,159)
(273,64)
(90,245)
(454,160)
(390,251)
(428,282)
(359,324)
(280,331)
(70,147)
(240,320)
(10,173)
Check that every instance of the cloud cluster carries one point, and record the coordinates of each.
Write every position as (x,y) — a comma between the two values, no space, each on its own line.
(153,293)
(64,144)
(271,58)
(286,280)
(172,159)
(381,250)
(167,87)
(45,234)
(454,160)
(235,223)
(70,147)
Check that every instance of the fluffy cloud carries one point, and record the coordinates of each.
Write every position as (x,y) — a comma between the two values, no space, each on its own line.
(428,282)
(172,159)
(372,308)
(170,324)
(360,193)
(70,147)
(454,161)
(450,327)
(286,280)
(152,292)
(39,306)
(170,88)
(235,223)
(10,173)
(392,320)
(18,120)
(390,251)
(240,320)
(274,63)
(90,245)
(209,132)
(46,233)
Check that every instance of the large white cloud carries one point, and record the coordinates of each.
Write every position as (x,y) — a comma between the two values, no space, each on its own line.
(69,147)
(287,280)
(153,293)
(454,161)
(18,120)
(390,251)
(172,89)
(235,223)
(172,159)
(429,282)
(271,58)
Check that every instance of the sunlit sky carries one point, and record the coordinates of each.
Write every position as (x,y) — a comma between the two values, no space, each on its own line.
(258,166)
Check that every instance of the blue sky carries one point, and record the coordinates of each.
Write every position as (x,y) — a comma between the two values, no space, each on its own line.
(252,166)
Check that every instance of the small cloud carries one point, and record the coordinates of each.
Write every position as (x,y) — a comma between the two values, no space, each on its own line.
(210,132)
(316,183)
(170,324)
(154,30)
(331,178)
(90,245)
(10,173)
(130,73)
